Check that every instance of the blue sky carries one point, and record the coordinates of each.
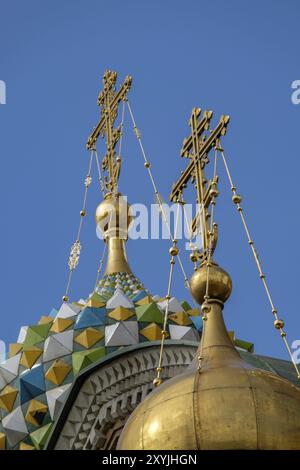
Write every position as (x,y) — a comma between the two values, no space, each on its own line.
(235,57)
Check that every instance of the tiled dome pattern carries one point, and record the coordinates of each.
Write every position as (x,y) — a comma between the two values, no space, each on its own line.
(42,365)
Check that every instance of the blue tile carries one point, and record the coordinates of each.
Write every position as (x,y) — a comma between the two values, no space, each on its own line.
(32,383)
(90,317)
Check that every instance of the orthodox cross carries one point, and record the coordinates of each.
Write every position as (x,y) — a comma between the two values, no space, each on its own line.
(196,148)
(108,100)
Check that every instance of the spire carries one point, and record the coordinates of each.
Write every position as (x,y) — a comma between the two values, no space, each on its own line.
(108,100)
(113,213)
(196,148)
(223,402)
(210,285)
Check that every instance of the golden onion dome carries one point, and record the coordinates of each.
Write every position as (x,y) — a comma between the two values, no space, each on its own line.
(224,404)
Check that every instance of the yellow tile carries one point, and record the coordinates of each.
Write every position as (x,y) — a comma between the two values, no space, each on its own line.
(61,324)
(194,312)
(44,320)
(35,412)
(8,397)
(89,337)
(15,348)
(95,303)
(152,332)
(58,372)
(24,446)
(30,356)
(181,318)
(120,314)
(145,300)
(2,441)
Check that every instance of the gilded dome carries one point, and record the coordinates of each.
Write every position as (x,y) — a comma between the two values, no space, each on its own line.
(225,403)
(237,407)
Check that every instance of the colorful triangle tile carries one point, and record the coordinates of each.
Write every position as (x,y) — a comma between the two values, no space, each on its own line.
(24,446)
(185,305)
(32,383)
(36,333)
(15,427)
(40,436)
(152,332)
(56,398)
(54,349)
(96,300)
(149,313)
(181,318)
(11,365)
(89,337)
(121,313)
(15,348)
(30,355)
(68,311)
(194,312)
(36,413)
(45,319)
(119,299)
(83,359)
(2,441)
(122,334)
(90,316)
(61,324)
(7,398)
(57,372)
(173,306)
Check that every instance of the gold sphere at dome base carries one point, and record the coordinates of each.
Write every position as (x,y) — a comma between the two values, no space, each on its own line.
(219,283)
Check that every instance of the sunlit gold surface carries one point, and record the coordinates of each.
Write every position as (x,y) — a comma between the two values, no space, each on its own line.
(108,100)
(219,286)
(113,218)
(221,402)
(228,405)
(117,259)
(196,148)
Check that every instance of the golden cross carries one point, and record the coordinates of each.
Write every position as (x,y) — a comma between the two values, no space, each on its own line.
(196,148)
(108,100)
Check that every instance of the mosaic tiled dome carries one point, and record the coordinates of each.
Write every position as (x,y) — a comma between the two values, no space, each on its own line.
(43,364)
